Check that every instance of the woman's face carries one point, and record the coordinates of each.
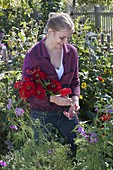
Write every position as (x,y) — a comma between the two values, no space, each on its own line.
(59,38)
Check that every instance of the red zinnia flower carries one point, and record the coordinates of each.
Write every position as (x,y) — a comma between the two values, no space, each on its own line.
(27,79)
(40,92)
(39,75)
(27,90)
(65,91)
(105,117)
(54,86)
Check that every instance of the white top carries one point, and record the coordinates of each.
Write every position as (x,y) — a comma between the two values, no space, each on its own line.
(60,71)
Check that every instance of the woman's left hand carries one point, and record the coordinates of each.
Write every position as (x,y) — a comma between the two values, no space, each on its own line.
(75,103)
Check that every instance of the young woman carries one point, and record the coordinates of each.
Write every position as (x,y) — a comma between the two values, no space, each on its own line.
(59,60)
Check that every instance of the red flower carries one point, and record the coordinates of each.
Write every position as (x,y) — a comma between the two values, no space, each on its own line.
(105,117)
(65,91)
(28,71)
(38,75)
(18,84)
(38,85)
(100,79)
(27,79)
(27,90)
(54,86)
(40,92)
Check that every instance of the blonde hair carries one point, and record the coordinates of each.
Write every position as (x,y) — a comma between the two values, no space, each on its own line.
(59,21)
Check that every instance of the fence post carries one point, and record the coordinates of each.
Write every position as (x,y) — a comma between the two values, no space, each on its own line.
(97,17)
(108,38)
(102,38)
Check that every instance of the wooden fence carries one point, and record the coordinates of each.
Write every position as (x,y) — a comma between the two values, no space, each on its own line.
(101,16)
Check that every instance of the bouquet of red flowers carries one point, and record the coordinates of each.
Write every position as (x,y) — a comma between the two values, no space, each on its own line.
(37,84)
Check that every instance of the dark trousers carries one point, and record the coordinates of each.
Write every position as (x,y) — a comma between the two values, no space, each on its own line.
(59,121)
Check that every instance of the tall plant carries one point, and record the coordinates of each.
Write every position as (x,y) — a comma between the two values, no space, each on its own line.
(50,6)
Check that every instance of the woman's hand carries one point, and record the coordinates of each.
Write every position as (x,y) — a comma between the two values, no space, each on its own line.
(61,101)
(73,110)
(75,103)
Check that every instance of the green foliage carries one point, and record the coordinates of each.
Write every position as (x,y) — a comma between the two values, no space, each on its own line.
(49,6)
(30,12)
(47,156)
(94,60)
(98,154)
(14,13)
(95,2)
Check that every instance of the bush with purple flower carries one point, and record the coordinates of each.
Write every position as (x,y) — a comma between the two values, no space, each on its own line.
(91,137)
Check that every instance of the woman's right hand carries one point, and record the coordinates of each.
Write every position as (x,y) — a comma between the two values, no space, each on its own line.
(60,101)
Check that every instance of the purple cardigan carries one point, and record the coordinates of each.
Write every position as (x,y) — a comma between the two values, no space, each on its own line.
(38,56)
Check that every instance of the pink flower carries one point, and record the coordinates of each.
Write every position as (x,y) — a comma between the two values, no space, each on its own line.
(14,127)
(2,163)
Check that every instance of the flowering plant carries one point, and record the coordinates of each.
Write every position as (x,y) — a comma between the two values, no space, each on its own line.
(37,84)
(2,163)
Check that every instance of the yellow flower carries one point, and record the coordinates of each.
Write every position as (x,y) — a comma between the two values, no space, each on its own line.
(83,85)
(81,97)
(107,71)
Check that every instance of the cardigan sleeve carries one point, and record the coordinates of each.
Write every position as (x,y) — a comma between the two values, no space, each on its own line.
(75,83)
(27,66)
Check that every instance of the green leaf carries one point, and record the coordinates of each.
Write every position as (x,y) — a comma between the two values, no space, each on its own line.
(109,159)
